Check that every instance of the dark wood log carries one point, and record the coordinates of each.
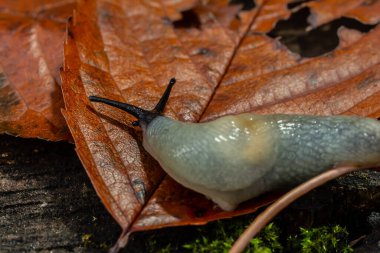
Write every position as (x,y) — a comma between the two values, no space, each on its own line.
(47,201)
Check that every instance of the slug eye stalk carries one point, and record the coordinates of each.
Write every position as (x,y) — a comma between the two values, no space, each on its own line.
(142,115)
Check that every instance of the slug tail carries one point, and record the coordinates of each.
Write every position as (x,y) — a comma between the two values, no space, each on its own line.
(142,115)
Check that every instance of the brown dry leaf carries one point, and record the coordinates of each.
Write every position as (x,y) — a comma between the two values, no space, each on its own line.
(367,11)
(31,34)
(128,50)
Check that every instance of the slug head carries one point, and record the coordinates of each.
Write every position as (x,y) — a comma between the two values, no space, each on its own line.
(144,117)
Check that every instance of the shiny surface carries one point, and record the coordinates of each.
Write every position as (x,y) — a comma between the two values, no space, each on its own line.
(236,158)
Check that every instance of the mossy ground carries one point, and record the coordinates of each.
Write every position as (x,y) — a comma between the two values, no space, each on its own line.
(219,236)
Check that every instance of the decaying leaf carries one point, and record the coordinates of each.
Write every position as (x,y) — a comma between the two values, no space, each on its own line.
(224,63)
(320,85)
(31,34)
(367,11)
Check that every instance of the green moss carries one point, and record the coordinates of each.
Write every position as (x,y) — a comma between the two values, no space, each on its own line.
(321,240)
(266,242)
(153,247)
(104,246)
(270,240)
(86,240)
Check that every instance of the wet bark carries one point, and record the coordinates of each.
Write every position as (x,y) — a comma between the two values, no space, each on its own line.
(47,201)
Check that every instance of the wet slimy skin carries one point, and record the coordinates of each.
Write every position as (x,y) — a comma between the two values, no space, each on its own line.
(235,158)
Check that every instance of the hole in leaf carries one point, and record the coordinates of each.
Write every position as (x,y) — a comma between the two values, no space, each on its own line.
(247,4)
(189,19)
(293,34)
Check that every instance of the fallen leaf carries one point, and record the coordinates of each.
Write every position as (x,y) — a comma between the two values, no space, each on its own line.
(320,85)
(365,11)
(31,34)
(128,51)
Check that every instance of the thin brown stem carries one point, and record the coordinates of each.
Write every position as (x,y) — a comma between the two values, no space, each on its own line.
(268,214)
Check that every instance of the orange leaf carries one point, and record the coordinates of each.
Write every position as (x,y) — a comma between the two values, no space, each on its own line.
(128,51)
(31,35)
(363,10)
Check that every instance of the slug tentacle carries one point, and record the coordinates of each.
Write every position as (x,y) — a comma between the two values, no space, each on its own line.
(159,108)
(142,115)
(131,109)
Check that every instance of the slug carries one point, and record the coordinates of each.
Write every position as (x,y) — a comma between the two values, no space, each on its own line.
(238,157)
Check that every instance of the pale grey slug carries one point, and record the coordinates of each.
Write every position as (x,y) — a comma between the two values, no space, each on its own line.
(238,157)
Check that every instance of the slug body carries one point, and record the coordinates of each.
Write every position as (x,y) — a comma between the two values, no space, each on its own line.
(236,158)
